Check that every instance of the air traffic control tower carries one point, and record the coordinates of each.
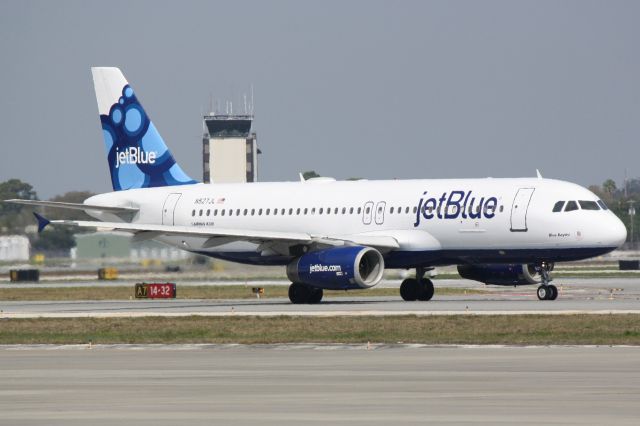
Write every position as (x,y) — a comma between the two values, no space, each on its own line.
(229,148)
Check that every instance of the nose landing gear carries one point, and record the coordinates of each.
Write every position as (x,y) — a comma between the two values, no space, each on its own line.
(546,291)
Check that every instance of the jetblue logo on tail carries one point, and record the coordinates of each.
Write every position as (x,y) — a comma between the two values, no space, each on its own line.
(134,155)
(137,155)
(454,205)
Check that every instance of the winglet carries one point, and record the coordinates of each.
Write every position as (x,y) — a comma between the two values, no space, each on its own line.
(538,174)
(42,222)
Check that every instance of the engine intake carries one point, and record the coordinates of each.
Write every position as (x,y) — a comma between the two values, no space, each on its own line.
(339,268)
(500,274)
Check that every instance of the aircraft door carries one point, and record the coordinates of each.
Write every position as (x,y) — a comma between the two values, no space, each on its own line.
(380,208)
(169,207)
(367,213)
(519,209)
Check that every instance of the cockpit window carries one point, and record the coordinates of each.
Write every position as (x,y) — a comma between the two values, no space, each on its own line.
(557,207)
(571,206)
(588,205)
(603,205)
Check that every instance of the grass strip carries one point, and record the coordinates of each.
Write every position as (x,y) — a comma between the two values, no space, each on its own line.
(219,292)
(461,329)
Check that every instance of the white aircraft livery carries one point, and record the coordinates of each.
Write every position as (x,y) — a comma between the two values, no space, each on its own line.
(340,235)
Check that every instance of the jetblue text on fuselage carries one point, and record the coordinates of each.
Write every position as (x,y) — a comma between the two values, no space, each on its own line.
(134,155)
(455,204)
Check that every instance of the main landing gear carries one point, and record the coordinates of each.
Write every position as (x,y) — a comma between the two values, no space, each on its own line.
(546,291)
(304,294)
(418,288)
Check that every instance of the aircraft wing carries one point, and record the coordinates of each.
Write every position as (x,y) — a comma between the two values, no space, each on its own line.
(144,231)
(73,206)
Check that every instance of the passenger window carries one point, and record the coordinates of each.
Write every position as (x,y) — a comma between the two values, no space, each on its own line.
(215,212)
(282,212)
(368,210)
(222,212)
(588,205)
(245,212)
(501,209)
(603,205)
(275,212)
(200,214)
(335,211)
(290,212)
(193,212)
(391,210)
(238,212)
(415,210)
(344,210)
(406,210)
(557,207)
(253,212)
(208,212)
(320,212)
(359,210)
(298,211)
(306,210)
(571,206)
(230,212)
(259,212)
(267,212)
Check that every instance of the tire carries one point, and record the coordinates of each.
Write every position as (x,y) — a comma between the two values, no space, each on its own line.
(543,292)
(316,296)
(409,290)
(553,292)
(425,290)
(299,293)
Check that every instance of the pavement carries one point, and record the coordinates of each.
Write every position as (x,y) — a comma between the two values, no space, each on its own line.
(315,384)
(595,296)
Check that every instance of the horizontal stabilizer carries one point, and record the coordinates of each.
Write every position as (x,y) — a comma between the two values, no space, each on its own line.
(73,206)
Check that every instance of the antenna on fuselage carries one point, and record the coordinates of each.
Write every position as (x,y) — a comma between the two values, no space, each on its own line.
(538,174)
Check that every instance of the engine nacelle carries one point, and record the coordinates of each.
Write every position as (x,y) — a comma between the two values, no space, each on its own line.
(339,268)
(500,274)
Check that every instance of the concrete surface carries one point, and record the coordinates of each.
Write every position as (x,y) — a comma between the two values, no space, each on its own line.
(306,384)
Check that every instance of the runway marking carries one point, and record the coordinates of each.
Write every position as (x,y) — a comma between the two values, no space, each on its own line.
(23,315)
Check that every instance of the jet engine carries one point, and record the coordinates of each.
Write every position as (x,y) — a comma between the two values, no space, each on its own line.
(339,268)
(501,274)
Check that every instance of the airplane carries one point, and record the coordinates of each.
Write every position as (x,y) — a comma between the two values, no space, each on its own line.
(340,234)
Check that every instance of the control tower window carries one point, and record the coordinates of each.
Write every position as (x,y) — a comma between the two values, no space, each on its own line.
(557,207)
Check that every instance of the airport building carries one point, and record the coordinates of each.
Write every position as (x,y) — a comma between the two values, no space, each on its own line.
(229,149)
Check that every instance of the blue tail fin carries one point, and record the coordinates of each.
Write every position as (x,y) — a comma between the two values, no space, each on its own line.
(136,153)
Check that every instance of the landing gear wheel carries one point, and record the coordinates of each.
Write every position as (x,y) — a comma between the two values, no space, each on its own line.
(409,289)
(299,293)
(316,296)
(553,292)
(543,292)
(425,289)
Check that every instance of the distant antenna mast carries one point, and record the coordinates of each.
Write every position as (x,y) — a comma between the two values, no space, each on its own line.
(251,105)
(245,103)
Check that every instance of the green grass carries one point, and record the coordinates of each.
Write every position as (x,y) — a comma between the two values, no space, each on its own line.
(191,292)
(461,329)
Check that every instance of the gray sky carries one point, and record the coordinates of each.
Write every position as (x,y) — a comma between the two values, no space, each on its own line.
(364,89)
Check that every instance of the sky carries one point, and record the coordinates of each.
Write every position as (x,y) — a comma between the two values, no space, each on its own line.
(369,89)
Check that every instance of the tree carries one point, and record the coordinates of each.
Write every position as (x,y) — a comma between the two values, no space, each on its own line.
(310,174)
(609,188)
(14,217)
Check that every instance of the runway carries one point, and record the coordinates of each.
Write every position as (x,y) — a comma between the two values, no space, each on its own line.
(596,296)
(307,384)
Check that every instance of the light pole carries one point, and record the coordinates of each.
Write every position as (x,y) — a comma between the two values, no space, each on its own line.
(632,213)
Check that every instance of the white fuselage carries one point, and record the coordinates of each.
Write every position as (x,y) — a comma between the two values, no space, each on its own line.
(443,221)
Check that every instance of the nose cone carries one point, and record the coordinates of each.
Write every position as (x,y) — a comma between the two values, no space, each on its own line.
(616,231)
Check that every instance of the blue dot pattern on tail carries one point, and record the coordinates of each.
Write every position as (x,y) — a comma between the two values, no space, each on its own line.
(137,155)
